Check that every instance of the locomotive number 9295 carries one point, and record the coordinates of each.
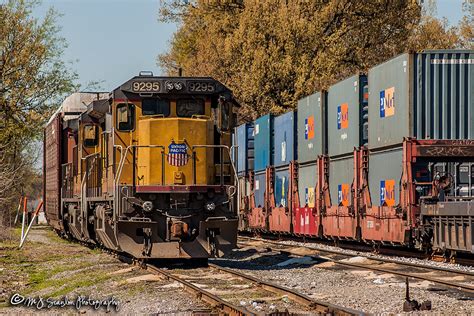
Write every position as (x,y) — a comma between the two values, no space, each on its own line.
(143,86)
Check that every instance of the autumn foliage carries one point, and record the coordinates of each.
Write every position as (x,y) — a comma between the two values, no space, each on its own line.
(273,52)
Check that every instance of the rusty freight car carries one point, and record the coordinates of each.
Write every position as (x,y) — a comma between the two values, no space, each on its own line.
(386,158)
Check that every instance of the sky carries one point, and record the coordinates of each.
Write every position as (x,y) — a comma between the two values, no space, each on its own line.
(110,40)
(113,40)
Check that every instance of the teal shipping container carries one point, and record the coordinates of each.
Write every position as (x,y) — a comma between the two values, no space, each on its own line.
(263,142)
(312,136)
(427,95)
(347,115)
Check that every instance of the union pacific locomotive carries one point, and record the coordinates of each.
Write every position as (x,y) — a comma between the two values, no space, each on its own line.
(145,169)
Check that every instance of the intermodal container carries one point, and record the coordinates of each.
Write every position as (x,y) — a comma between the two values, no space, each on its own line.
(347,105)
(341,177)
(263,142)
(384,178)
(385,172)
(245,148)
(312,136)
(282,180)
(307,181)
(284,139)
(427,95)
(259,189)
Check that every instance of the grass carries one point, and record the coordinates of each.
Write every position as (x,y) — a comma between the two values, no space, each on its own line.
(61,268)
(38,266)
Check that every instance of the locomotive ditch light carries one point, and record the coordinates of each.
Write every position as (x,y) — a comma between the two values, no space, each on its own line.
(147,206)
(210,206)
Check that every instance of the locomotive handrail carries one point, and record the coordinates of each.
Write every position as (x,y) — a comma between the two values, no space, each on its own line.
(122,158)
(86,173)
(215,146)
(123,155)
(122,163)
(83,186)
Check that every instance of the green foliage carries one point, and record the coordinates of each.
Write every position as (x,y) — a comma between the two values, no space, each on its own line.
(273,52)
(34,80)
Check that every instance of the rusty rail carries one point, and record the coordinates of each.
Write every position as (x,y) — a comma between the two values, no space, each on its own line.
(213,300)
(459,286)
(318,306)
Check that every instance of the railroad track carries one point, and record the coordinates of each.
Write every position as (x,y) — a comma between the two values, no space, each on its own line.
(377,264)
(189,278)
(389,251)
(303,303)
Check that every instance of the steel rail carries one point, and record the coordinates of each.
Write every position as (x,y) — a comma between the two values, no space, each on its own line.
(459,286)
(213,300)
(226,307)
(320,307)
(410,264)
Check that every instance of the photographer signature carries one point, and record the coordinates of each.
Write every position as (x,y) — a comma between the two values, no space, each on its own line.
(79,302)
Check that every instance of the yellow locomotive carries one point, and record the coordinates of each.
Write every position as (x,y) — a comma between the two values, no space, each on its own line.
(145,169)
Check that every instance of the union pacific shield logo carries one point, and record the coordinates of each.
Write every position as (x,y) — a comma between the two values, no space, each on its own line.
(343,194)
(177,154)
(387,102)
(343,116)
(387,192)
(309,127)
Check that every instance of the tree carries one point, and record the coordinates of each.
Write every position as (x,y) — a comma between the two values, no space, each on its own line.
(433,33)
(273,52)
(466,27)
(34,80)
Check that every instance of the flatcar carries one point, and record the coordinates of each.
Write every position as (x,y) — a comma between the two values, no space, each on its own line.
(384,158)
(145,169)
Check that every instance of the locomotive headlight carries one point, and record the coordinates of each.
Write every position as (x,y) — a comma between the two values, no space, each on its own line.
(147,206)
(210,206)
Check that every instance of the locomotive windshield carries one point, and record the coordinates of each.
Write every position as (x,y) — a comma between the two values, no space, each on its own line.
(156,107)
(190,107)
(125,116)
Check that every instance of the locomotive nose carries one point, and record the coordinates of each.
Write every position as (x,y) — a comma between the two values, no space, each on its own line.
(179,160)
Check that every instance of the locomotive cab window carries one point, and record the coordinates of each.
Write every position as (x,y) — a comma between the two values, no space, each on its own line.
(190,107)
(125,117)
(224,115)
(91,138)
(156,107)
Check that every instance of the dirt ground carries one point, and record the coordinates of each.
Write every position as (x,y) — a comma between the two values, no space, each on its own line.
(50,271)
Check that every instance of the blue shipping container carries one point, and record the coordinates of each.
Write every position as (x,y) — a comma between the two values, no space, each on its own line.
(285,139)
(245,149)
(259,189)
(282,180)
(263,133)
